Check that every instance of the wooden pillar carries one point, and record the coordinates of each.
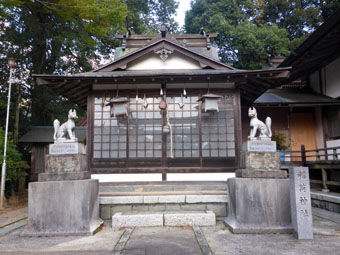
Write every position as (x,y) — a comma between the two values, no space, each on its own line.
(324,180)
(164,176)
(303,155)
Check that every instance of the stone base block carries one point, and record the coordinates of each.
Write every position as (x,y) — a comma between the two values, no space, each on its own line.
(65,163)
(63,208)
(171,219)
(176,219)
(270,174)
(260,145)
(260,160)
(259,206)
(237,228)
(45,177)
(62,148)
(120,220)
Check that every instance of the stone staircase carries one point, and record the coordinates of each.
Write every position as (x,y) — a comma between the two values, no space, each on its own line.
(162,198)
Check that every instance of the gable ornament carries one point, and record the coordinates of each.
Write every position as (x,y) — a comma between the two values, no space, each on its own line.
(164,53)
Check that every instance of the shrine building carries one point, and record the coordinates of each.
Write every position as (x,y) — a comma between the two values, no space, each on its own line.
(166,104)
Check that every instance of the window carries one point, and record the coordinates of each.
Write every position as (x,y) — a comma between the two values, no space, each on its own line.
(140,136)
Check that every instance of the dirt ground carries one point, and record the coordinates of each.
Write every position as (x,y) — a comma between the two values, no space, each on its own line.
(14,203)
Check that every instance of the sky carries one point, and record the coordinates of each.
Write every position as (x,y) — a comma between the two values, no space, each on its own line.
(183,6)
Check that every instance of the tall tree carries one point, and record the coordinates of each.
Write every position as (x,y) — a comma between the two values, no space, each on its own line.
(239,40)
(242,25)
(55,36)
(146,16)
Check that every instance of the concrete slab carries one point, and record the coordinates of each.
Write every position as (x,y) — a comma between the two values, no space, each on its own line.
(189,218)
(162,240)
(326,214)
(120,220)
(12,227)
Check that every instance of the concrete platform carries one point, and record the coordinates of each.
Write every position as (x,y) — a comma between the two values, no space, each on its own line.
(63,208)
(258,206)
(173,219)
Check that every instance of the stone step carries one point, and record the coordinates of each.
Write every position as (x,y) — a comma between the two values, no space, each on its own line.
(153,193)
(163,187)
(163,199)
(173,219)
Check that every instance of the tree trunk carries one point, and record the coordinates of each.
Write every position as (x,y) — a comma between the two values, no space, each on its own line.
(17,111)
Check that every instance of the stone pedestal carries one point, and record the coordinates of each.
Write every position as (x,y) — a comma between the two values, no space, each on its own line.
(259,200)
(261,165)
(63,208)
(65,167)
(66,161)
(260,160)
(258,206)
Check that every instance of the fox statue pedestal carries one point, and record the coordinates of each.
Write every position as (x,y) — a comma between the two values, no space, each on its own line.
(65,200)
(66,161)
(259,196)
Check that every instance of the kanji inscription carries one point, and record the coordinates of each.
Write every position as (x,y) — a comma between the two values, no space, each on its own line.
(300,200)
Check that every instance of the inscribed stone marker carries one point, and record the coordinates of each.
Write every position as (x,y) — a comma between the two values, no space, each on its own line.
(260,146)
(66,148)
(300,200)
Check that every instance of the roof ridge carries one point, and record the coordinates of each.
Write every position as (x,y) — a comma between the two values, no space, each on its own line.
(159,40)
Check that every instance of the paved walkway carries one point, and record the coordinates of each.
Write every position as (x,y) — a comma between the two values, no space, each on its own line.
(13,216)
(172,240)
(168,240)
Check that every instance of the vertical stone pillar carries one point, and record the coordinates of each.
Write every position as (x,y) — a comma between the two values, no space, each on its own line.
(301,209)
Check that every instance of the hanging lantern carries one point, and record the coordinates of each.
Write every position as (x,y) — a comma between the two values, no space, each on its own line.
(118,107)
(210,102)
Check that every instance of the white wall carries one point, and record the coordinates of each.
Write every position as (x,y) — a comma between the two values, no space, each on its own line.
(152,61)
(333,79)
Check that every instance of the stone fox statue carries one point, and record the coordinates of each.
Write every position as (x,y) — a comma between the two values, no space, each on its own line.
(65,132)
(256,124)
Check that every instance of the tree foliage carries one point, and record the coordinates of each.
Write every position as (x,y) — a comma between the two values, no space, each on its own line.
(251,31)
(146,16)
(69,36)
(56,36)
(13,159)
